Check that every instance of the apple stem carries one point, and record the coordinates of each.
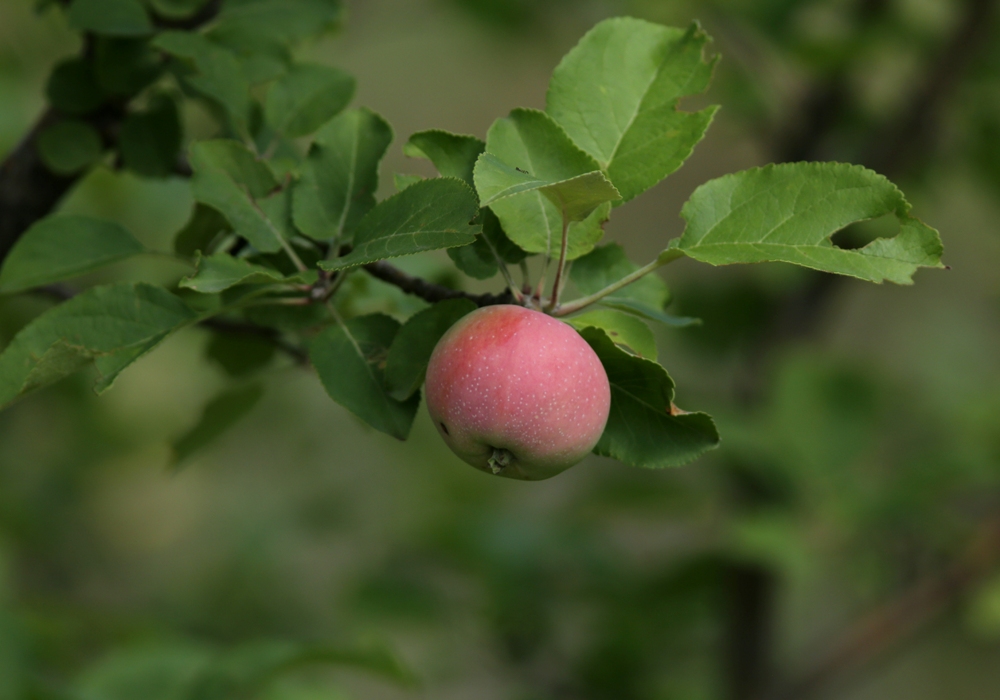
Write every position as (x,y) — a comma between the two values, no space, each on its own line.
(500,459)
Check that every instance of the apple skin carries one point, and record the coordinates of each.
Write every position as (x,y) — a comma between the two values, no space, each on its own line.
(509,381)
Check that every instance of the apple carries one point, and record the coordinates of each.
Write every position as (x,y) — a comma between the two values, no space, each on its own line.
(517,393)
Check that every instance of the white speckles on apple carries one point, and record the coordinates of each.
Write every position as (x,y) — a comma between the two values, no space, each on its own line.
(505,377)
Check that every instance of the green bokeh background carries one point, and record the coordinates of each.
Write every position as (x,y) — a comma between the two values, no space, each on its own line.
(868,461)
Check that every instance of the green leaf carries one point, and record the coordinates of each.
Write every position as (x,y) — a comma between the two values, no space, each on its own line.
(606,265)
(616,95)
(237,161)
(636,308)
(69,146)
(177,9)
(624,330)
(788,212)
(98,322)
(72,87)
(150,141)
(284,21)
(477,259)
(340,175)
(576,198)
(530,141)
(110,366)
(644,427)
(218,74)
(429,215)
(229,178)
(306,97)
(349,359)
(219,415)
(111,17)
(412,347)
(62,246)
(124,66)
(222,271)
(453,155)
(200,230)
(494,234)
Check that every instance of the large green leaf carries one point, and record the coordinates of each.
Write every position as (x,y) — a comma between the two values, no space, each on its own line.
(96,323)
(616,95)
(218,74)
(219,415)
(306,97)
(644,427)
(63,246)
(788,212)
(453,155)
(530,142)
(112,17)
(428,215)
(349,359)
(221,271)
(412,347)
(340,175)
(624,330)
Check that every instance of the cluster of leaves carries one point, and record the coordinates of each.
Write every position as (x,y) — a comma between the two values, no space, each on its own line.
(286,212)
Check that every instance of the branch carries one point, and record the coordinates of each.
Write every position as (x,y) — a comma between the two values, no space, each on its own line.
(429,291)
(898,619)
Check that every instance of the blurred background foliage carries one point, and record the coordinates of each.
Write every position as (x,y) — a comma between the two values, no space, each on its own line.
(843,543)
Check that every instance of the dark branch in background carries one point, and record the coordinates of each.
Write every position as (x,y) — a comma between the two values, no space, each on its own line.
(428,291)
(221,325)
(892,152)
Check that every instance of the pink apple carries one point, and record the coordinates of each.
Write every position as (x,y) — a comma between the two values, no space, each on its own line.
(517,393)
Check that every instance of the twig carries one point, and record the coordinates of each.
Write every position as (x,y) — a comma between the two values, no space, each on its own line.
(429,291)
(561,267)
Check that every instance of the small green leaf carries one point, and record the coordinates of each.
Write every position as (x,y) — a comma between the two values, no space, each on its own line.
(306,97)
(284,21)
(111,17)
(616,95)
(150,141)
(222,271)
(607,264)
(412,347)
(429,215)
(72,87)
(624,330)
(62,246)
(218,74)
(237,161)
(201,229)
(349,359)
(340,175)
(124,66)
(644,427)
(453,155)
(69,146)
(177,9)
(219,415)
(530,141)
(98,322)
(788,212)
(576,197)
(636,308)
